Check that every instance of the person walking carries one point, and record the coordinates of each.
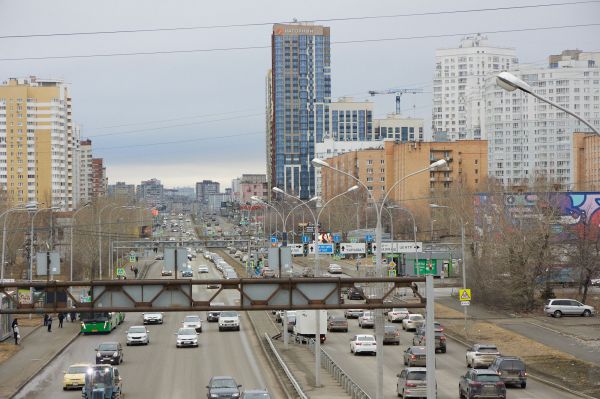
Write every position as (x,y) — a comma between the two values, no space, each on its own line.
(45,319)
(73,317)
(135,272)
(357,263)
(49,324)
(16,333)
(61,317)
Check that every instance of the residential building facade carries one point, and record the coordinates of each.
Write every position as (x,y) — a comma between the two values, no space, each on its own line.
(99,179)
(586,162)
(300,82)
(122,191)
(37,142)
(85,172)
(206,188)
(253,185)
(530,140)
(151,192)
(458,83)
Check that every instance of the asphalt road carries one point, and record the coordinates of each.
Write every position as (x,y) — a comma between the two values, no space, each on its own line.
(160,370)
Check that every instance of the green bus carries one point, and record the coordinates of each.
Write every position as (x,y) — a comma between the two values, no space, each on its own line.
(100,322)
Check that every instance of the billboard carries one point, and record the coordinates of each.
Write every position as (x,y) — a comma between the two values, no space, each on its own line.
(145,231)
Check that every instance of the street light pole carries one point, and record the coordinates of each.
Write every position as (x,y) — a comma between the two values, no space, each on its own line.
(100,238)
(414,232)
(73,219)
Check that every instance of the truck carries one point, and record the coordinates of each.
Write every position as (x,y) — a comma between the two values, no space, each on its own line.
(304,329)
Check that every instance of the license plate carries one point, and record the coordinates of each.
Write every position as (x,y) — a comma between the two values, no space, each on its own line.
(94,330)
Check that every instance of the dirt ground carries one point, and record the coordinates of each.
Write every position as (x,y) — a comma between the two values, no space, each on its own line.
(541,360)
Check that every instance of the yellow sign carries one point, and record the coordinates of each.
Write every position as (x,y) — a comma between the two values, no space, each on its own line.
(392,264)
(464,295)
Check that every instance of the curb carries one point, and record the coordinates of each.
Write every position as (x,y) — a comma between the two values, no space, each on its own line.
(43,366)
(535,377)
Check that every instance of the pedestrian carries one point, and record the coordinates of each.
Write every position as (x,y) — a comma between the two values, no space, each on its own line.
(135,272)
(357,263)
(49,324)
(45,319)
(16,334)
(61,317)
(73,317)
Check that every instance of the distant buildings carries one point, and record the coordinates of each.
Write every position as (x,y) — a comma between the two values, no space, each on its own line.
(122,191)
(85,172)
(150,192)
(299,86)
(99,179)
(206,188)
(459,77)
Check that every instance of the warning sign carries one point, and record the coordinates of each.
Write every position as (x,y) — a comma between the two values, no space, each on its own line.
(120,271)
(464,295)
(392,264)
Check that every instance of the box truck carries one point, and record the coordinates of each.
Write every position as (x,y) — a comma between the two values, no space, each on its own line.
(304,329)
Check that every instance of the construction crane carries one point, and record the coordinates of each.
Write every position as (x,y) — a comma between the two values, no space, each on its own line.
(398,93)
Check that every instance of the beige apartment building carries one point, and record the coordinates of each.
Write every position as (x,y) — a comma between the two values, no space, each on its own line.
(37,142)
(379,169)
(586,162)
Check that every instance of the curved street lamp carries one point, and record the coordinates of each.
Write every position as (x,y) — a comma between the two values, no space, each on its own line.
(31,250)
(510,82)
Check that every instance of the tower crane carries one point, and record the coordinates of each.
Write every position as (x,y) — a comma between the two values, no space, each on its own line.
(398,93)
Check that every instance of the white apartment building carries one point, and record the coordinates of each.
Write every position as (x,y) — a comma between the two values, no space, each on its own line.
(459,77)
(529,139)
(86,186)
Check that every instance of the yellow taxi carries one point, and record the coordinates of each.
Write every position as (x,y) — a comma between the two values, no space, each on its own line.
(75,376)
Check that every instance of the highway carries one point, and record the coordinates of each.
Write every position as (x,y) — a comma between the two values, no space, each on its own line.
(160,370)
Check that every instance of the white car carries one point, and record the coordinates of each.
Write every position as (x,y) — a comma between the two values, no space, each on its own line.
(334,269)
(153,318)
(193,321)
(397,314)
(137,335)
(229,320)
(366,320)
(363,344)
(202,269)
(186,337)
(481,355)
(412,322)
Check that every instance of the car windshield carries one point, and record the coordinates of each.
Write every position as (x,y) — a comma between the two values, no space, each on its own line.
(366,338)
(186,331)
(418,350)
(152,315)
(367,314)
(224,383)
(416,317)
(99,376)
(390,329)
(488,349)
(136,330)
(399,310)
(250,395)
(191,319)
(229,314)
(77,370)
(108,347)
(338,320)
(416,375)
(487,377)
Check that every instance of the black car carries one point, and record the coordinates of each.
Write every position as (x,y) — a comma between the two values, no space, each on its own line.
(223,387)
(355,293)
(109,352)
(511,370)
(187,273)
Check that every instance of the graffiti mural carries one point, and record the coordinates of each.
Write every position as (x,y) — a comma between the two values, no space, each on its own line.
(572,212)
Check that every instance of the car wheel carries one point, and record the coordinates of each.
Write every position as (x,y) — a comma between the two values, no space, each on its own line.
(404,328)
(557,314)
(587,313)
(523,385)
(460,393)
(127,344)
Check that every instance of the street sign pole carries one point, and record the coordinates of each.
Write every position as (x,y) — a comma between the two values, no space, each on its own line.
(430,336)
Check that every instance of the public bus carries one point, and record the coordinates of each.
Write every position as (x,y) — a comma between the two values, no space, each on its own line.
(100,322)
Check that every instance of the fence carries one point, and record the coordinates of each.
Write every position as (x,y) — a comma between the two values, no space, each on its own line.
(287,371)
(351,387)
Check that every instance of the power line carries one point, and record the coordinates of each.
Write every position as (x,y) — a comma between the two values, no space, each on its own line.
(322,20)
(247,48)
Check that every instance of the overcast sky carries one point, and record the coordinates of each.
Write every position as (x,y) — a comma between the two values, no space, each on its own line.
(187,117)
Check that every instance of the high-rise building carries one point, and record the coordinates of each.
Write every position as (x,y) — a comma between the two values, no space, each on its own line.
(99,179)
(37,142)
(122,191)
(151,192)
(206,188)
(530,140)
(586,162)
(85,171)
(300,82)
(253,185)
(458,82)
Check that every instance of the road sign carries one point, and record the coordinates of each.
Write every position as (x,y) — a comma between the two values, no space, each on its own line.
(120,271)
(42,263)
(407,246)
(337,238)
(352,248)
(305,239)
(392,264)
(326,248)
(132,258)
(392,273)
(273,239)
(464,295)
(386,247)
(297,249)
(423,267)
(368,238)
(465,303)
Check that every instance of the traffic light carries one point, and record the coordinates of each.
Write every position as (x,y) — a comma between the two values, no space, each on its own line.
(369,248)
(305,249)
(337,248)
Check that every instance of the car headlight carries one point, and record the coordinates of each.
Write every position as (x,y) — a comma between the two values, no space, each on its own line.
(115,354)
(98,354)
(214,395)
(235,395)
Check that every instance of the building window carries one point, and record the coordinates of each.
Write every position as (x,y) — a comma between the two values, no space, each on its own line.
(369,162)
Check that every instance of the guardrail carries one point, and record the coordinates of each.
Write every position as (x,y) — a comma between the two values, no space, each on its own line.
(287,371)
(349,385)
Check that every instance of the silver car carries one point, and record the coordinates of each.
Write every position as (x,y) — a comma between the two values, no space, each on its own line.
(567,307)
(412,382)
(366,320)
(412,322)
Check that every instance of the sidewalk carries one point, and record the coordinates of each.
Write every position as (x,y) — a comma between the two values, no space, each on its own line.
(37,349)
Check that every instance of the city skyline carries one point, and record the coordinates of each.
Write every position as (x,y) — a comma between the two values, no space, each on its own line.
(125,136)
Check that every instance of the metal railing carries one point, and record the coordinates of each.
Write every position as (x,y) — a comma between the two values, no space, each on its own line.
(287,371)
(347,383)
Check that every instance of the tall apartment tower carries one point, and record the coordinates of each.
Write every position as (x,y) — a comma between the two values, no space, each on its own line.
(300,82)
(458,82)
(85,172)
(206,188)
(37,142)
(530,140)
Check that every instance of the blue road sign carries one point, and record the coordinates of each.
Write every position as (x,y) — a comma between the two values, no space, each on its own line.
(326,248)
(368,238)
(337,238)
(273,239)
(305,239)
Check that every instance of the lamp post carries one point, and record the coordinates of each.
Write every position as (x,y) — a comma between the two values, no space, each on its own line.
(6,214)
(100,238)
(432,221)
(414,231)
(73,219)
(379,322)
(462,251)
(110,213)
(31,251)
(510,82)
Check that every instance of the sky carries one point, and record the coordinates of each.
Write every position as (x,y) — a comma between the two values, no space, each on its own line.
(186,117)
